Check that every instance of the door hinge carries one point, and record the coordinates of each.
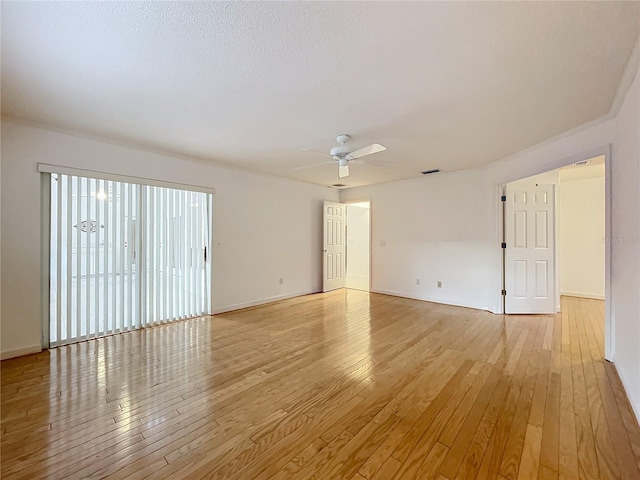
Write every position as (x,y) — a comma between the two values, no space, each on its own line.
(503,245)
(205,254)
(504,292)
(503,198)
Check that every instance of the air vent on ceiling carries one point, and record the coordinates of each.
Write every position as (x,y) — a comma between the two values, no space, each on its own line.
(338,185)
(583,163)
(427,172)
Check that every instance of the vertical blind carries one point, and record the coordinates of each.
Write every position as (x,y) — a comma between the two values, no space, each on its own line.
(124,255)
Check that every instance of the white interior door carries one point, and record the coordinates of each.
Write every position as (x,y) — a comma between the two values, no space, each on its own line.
(530,249)
(333,248)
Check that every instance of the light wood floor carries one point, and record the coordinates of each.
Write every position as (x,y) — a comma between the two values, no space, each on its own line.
(344,385)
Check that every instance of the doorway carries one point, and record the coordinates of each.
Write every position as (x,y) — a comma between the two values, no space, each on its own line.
(580,227)
(358,246)
(346,249)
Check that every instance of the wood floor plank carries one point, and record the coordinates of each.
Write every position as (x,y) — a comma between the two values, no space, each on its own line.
(592,352)
(387,471)
(470,464)
(530,461)
(624,407)
(547,473)
(420,439)
(511,457)
(340,385)
(431,464)
(587,456)
(550,430)
(326,454)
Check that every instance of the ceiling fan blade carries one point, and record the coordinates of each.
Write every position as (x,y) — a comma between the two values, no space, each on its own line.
(371,149)
(314,165)
(343,171)
(315,151)
(373,162)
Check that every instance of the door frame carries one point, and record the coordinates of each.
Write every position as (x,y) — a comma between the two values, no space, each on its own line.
(370,202)
(536,169)
(45,255)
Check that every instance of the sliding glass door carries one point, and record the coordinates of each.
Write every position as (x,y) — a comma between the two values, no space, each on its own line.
(125,255)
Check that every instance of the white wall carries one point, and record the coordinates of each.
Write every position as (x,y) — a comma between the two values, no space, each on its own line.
(547,178)
(358,255)
(625,243)
(447,227)
(432,228)
(581,235)
(265,228)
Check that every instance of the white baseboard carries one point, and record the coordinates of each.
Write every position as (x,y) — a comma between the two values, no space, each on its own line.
(426,299)
(263,301)
(635,403)
(18,352)
(594,296)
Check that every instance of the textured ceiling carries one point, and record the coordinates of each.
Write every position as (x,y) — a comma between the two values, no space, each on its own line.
(446,85)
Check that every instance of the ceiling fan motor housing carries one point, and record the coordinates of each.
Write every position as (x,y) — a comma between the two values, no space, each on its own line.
(340,151)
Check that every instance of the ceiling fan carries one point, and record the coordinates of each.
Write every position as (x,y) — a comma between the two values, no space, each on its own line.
(342,154)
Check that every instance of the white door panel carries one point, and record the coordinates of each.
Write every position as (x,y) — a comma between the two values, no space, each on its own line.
(530,249)
(333,249)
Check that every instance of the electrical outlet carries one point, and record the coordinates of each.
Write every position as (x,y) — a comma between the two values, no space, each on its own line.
(439,284)
(417,281)
(281,281)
